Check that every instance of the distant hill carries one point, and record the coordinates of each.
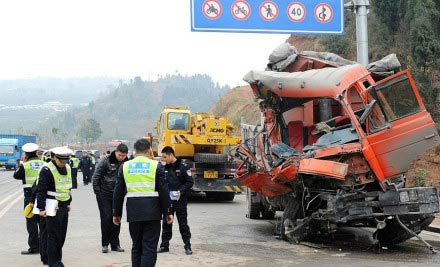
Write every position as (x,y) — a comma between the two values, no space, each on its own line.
(132,109)
(238,105)
(26,103)
(73,91)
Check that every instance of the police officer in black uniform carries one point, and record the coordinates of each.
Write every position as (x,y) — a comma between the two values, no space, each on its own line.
(86,166)
(54,184)
(178,175)
(143,181)
(74,164)
(28,172)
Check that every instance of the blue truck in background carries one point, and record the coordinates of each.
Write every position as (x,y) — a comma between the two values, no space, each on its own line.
(11,149)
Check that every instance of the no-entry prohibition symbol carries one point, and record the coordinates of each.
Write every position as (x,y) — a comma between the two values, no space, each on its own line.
(296,12)
(212,9)
(269,11)
(323,12)
(240,10)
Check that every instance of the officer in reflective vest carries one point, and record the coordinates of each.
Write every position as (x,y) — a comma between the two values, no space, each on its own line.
(41,223)
(92,157)
(74,164)
(28,172)
(143,181)
(54,185)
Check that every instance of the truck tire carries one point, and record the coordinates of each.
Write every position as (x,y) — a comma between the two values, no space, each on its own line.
(221,196)
(291,213)
(227,196)
(210,158)
(254,209)
(17,165)
(394,234)
(267,214)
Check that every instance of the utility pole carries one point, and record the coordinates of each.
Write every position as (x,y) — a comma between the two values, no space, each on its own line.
(360,8)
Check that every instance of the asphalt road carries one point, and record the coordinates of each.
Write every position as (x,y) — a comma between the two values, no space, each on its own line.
(222,236)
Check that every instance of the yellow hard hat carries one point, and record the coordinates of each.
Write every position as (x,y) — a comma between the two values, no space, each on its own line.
(28,211)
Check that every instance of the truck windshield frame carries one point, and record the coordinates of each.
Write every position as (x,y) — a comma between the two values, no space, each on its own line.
(397,98)
(7,149)
(178,121)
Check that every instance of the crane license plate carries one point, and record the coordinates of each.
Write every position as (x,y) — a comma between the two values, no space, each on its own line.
(210,174)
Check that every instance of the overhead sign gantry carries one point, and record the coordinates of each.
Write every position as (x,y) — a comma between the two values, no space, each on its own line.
(265,16)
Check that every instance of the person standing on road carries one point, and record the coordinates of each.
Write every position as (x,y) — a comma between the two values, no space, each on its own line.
(103,185)
(55,183)
(86,168)
(179,179)
(41,224)
(148,200)
(74,164)
(28,173)
(93,159)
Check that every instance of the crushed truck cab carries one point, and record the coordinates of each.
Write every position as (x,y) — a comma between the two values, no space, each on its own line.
(333,147)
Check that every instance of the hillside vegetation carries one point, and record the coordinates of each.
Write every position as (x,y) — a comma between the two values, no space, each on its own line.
(131,110)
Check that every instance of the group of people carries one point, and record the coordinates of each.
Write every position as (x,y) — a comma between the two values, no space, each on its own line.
(47,187)
(155,191)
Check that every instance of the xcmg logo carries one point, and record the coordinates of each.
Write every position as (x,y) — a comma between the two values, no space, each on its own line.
(217,130)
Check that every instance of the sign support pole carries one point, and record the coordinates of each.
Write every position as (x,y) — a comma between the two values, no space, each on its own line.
(360,8)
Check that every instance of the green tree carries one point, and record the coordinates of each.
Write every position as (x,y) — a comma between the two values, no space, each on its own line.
(424,33)
(89,131)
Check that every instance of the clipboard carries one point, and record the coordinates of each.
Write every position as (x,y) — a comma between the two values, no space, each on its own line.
(51,207)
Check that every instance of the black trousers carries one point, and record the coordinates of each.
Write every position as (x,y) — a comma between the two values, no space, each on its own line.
(56,235)
(179,209)
(32,228)
(43,239)
(87,176)
(109,231)
(145,237)
(74,178)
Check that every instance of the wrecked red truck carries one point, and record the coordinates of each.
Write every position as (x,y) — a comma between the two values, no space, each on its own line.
(334,143)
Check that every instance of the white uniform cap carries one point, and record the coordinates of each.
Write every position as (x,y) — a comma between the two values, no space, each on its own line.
(30,147)
(63,153)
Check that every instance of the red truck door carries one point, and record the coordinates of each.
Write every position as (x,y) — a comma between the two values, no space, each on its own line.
(398,127)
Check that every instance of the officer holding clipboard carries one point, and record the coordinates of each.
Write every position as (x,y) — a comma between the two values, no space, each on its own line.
(53,201)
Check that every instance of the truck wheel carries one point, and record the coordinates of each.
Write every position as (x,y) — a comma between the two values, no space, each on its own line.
(221,196)
(290,214)
(227,196)
(210,158)
(254,209)
(394,234)
(267,214)
(17,164)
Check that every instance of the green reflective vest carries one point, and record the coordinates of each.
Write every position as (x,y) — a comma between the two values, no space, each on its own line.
(31,170)
(93,160)
(75,162)
(63,183)
(140,177)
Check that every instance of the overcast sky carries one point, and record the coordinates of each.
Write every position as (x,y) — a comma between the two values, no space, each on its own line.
(126,38)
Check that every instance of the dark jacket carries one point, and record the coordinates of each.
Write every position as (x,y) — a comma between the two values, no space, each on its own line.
(178,176)
(46,183)
(142,208)
(85,164)
(105,175)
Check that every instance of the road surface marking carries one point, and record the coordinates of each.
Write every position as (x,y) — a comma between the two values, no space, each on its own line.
(12,203)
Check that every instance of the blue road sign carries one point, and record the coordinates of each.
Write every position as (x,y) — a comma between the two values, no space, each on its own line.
(265,16)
